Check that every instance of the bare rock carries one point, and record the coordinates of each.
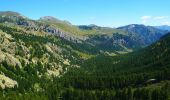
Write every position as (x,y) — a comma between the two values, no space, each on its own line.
(6,82)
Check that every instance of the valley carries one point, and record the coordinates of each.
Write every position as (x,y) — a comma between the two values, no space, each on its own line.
(51,59)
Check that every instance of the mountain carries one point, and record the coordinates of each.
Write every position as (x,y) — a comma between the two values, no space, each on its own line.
(115,42)
(26,53)
(42,26)
(53,20)
(139,75)
(51,59)
(147,34)
(20,49)
(111,40)
(104,38)
(163,27)
(155,55)
(89,27)
(10,14)
(123,39)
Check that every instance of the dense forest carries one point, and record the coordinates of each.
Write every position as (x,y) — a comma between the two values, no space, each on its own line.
(141,75)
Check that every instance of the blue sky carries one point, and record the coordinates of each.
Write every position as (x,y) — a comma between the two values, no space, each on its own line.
(100,12)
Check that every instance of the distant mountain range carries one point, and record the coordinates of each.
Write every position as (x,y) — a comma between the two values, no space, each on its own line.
(146,34)
(126,38)
(163,27)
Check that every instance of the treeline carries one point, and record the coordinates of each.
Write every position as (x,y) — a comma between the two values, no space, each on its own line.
(162,93)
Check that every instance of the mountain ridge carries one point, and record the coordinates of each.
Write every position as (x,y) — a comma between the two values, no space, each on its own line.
(104,38)
(164,27)
(147,34)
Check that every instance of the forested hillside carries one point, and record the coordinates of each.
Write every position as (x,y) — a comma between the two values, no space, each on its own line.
(141,75)
(50,59)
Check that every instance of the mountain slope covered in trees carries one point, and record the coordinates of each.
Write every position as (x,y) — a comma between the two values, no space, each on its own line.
(50,59)
(147,34)
(141,75)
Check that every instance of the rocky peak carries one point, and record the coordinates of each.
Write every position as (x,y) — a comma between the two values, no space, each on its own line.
(49,18)
(54,20)
(11,14)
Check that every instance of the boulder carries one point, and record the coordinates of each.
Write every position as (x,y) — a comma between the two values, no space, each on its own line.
(6,82)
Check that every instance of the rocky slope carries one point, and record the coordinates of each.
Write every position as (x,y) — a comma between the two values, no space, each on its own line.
(41,26)
(20,49)
(123,39)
